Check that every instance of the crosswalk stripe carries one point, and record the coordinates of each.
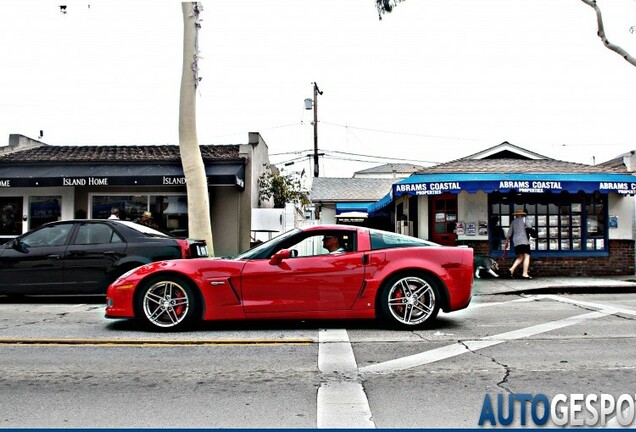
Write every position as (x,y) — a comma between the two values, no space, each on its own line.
(342,402)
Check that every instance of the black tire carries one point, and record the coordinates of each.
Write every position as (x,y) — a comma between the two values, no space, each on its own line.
(166,303)
(410,300)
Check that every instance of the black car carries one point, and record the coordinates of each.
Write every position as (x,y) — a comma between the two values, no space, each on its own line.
(84,256)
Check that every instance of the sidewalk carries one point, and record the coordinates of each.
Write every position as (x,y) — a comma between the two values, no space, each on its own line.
(600,284)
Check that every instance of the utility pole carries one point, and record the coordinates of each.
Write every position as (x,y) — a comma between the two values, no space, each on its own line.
(315,106)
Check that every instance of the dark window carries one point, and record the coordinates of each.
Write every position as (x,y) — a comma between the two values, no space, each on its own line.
(10,216)
(384,240)
(48,236)
(96,234)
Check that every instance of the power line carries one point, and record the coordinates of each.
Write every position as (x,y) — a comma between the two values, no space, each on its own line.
(398,132)
(381,157)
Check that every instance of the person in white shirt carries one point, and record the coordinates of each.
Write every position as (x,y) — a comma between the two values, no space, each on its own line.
(114,213)
(332,244)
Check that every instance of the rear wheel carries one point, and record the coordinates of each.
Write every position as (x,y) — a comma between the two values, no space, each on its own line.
(166,303)
(410,300)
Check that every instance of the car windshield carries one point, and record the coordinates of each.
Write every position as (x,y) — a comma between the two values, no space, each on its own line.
(257,251)
(144,229)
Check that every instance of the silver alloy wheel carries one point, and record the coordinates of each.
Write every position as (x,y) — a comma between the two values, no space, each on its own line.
(166,304)
(411,300)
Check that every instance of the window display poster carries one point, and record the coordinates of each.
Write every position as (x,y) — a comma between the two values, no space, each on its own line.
(471,228)
(460,228)
(483,228)
(613,222)
(592,224)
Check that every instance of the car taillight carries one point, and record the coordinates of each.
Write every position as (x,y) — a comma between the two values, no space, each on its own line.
(193,249)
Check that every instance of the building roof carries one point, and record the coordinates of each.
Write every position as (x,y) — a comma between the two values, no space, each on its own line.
(332,189)
(390,168)
(623,160)
(508,158)
(115,154)
(518,166)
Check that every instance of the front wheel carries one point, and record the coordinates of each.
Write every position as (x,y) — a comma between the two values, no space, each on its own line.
(410,301)
(166,303)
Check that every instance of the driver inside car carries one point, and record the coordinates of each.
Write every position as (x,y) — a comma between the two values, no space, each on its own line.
(332,244)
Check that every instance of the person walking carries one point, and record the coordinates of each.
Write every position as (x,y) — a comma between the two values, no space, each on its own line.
(114,213)
(519,235)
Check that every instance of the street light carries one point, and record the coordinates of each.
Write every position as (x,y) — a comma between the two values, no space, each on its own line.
(308,105)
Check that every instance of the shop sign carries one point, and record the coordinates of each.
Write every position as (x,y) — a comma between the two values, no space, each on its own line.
(5,183)
(174,181)
(536,186)
(84,181)
(621,188)
(433,188)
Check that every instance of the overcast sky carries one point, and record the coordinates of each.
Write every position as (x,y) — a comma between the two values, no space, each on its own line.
(433,81)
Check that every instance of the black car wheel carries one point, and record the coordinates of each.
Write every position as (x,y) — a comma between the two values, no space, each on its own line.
(410,300)
(166,303)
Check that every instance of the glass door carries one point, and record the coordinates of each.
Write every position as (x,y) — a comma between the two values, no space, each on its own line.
(444,219)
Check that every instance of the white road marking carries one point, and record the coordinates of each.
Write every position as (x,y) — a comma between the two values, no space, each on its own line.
(607,308)
(464,347)
(342,402)
(481,305)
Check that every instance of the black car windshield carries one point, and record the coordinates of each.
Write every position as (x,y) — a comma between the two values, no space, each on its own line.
(144,229)
(262,250)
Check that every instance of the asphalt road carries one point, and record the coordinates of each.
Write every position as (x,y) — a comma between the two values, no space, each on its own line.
(63,365)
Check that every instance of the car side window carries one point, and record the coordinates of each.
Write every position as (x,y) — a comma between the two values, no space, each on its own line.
(96,234)
(323,244)
(309,246)
(56,235)
(384,240)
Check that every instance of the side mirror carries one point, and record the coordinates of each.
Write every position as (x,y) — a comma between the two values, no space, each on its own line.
(279,256)
(17,245)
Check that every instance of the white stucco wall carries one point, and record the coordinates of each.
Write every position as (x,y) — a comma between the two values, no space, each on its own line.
(472,208)
(623,208)
(327,215)
(422,217)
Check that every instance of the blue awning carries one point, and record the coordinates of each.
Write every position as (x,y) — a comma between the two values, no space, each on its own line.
(380,204)
(344,207)
(435,184)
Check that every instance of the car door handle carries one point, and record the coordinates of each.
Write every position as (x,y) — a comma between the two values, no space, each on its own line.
(53,257)
(110,253)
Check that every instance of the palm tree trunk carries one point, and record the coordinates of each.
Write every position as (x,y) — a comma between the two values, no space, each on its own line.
(199,222)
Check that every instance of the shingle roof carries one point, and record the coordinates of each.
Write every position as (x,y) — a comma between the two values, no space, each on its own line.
(618,161)
(334,189)
(112,153)
(390,167)
(518,166)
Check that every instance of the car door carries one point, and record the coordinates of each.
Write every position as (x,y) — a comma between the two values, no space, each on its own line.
(92,256)
(33,263)
(313,280)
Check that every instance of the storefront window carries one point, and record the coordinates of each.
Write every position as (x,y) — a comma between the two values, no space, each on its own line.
(168,213)
(43,209)
(564,222)
(10,216)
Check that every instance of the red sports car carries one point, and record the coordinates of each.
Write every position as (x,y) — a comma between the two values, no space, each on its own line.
(318,272)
